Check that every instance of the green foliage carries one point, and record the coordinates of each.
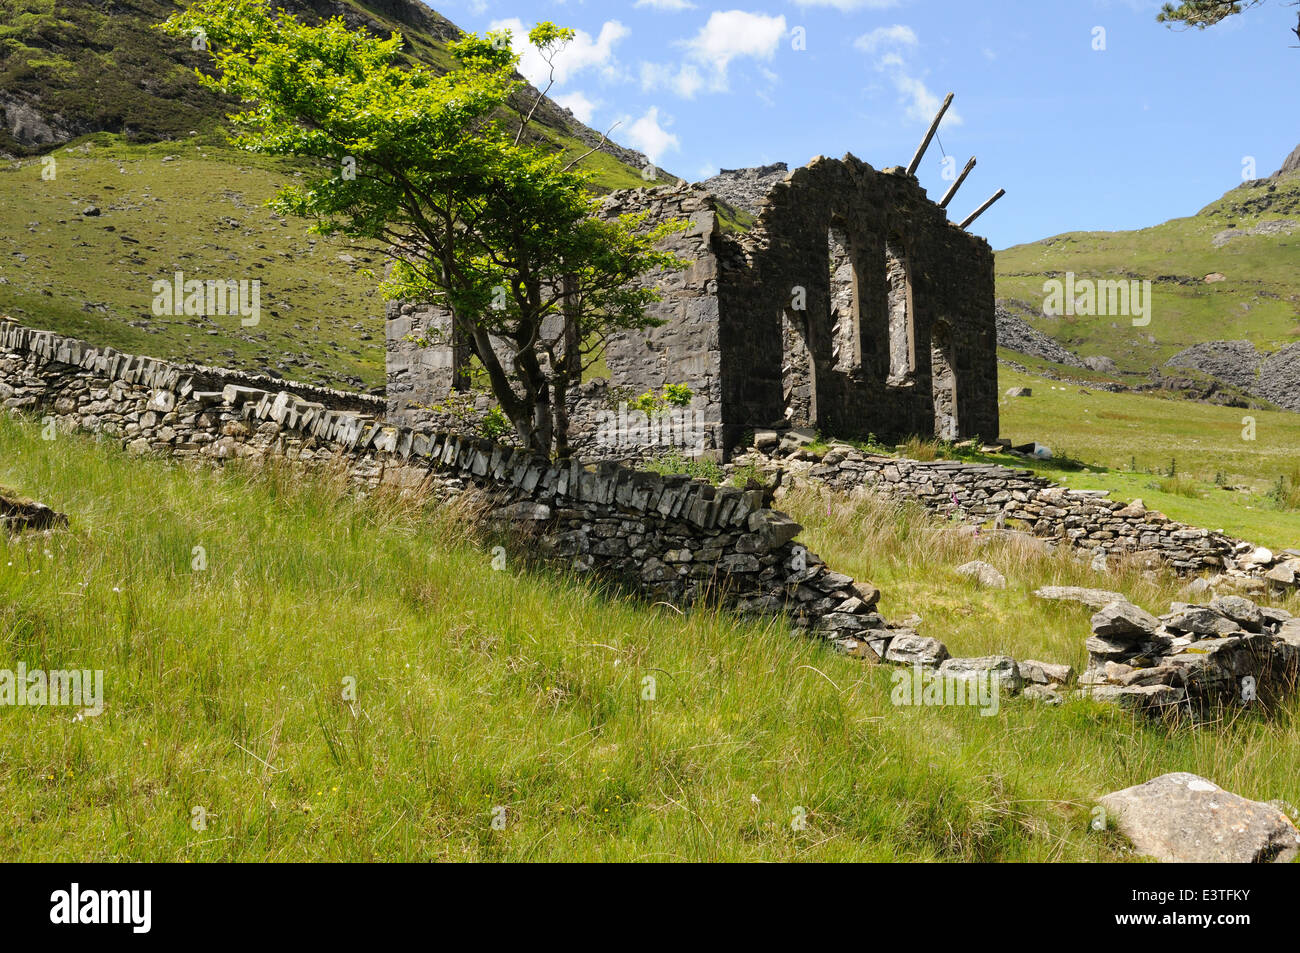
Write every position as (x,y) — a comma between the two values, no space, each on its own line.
(747,477)
(675,462)
(1202,13)
(678,395)
(495,425)
(674,395)
(1176,485)
(497,230)
(1285,494)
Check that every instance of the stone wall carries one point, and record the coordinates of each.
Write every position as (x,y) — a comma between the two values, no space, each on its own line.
(918,294)
(425,357)
(1005,497)
(668,537)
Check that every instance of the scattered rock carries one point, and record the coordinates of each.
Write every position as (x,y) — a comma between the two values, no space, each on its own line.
(1092,598)
(1001,667)
(1046,673)
(909,648)
(984,574)
(1123,620)
(1183,818)
(18,513)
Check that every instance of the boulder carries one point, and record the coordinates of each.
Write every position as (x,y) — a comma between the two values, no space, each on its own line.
(1184,818)
(1123,620)
(909,648)
(1241,611)
(1045,673)
(1202,620)
(983,574)
(1148,698)
(1001,667)
(1092,598)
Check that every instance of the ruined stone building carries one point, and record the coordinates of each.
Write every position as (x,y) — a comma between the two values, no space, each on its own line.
(835,297)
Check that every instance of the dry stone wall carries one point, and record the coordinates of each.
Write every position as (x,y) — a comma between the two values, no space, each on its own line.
(669,537)
(1087,519)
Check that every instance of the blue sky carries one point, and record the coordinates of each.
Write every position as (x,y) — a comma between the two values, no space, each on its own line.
(1153,126)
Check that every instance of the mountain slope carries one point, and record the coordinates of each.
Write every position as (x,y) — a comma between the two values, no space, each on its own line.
(147,187)
(72,67)
(1231,271)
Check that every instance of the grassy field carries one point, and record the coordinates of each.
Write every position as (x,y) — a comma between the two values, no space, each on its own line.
(1130,443)
(478,689)
(1256,299)
(200,212)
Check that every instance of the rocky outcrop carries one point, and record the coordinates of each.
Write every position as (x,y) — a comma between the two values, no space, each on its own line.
(746,188)
(1017,334)
(1273,377)
(1182,818)
(18,513)
(1289,165)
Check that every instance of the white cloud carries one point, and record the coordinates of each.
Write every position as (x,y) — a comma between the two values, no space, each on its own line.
(685,80)
(671,5)
(583,108)
(849,6)
(732,34)
(893,37)
(582,52)
(891,46)
(921,104)
(647,135)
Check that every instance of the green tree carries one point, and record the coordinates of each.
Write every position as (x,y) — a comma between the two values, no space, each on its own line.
(1206,13)
(420,166)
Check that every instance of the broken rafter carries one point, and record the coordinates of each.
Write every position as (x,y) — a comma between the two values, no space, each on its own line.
(956,185)
(983,208)
(925,143)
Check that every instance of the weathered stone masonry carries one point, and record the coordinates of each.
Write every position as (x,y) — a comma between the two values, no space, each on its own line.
(851,305)
(671,538)
(1085,519)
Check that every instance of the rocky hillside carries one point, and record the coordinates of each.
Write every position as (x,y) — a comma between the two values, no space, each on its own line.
(1273,377)
(72,67)
(1017,334)
(146,186)
(1228,274)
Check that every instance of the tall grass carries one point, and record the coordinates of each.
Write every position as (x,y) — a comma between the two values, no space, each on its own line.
(478,689)
(1285,494)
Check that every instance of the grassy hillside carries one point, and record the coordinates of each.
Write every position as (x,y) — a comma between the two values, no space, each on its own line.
(1130,443)
(173,196)
(1258,298)
(478,689)
(196,207)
